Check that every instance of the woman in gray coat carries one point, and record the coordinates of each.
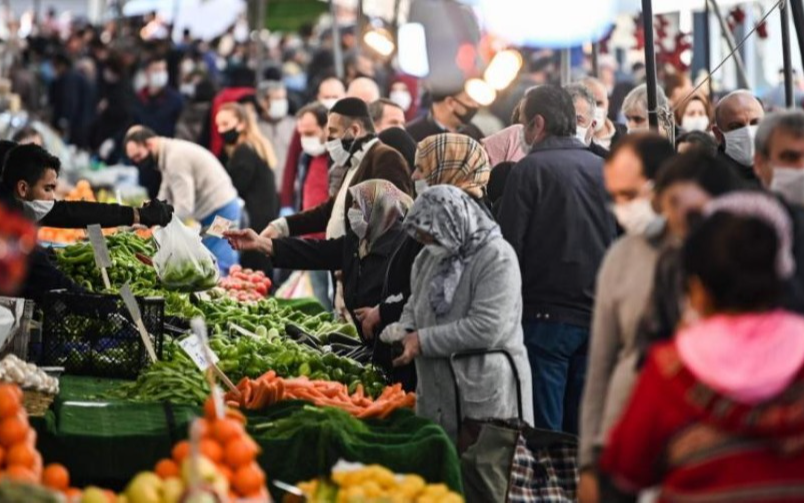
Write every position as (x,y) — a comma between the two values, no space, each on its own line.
(465,295)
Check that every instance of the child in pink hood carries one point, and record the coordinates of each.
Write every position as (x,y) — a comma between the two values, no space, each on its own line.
(718,413)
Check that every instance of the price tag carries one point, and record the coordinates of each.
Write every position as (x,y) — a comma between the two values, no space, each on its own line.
(101,251)
(219,226)
(210,359)
(194,348)
(136,315)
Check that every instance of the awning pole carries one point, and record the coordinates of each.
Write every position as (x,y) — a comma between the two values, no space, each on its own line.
(650,63)
(787,57)
(596,59)
(797,10)
(336,41)
(708,47)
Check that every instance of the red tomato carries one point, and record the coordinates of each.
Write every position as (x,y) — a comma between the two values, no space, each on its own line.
(261,274)
(261,289)
(235,268)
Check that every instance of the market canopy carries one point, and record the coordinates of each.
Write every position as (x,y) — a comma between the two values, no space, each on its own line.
(206,19)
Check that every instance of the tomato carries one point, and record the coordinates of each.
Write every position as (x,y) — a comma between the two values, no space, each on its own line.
(248,271)
(261,289)
(235,268)
(260,274)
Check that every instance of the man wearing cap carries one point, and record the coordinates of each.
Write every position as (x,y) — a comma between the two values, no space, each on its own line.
(352,144)
(450,113)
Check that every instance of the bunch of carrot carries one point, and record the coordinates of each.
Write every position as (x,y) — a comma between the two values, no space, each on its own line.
(268,389)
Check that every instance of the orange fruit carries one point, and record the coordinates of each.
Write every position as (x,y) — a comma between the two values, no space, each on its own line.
(209,409)
(225,471)
(204,428)
(20,474)
(9,401)
(30,439)
(167,468)
(73,493)
(224,430)
(211,449)
(110,496)
(240,452)
(248,480)
(13,430)
(56,477)
(181,451)
(2,456)
(22,454)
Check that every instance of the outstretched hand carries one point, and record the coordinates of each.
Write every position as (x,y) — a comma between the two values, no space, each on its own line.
(248,240)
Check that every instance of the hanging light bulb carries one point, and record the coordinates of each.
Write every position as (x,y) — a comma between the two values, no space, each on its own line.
(380,41)
(480,91)
(503,69)
(412,53)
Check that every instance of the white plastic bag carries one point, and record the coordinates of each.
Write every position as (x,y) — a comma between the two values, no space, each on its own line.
(182,261)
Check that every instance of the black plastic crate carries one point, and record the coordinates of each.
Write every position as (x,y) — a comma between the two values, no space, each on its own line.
(93,335)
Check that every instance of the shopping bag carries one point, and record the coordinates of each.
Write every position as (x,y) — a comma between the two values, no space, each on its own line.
(297,286)
(182,262)
(507,460)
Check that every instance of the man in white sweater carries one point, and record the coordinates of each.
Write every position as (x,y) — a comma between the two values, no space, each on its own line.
(193,181)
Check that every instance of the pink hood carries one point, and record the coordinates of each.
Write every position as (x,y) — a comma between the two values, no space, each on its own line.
(750,358)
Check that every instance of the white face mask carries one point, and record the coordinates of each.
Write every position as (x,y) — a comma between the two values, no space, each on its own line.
(278,109)
(437,251)
(580,133)
(637,130)
(634,216)
(312,146)
(420,186)
(357,222)
(698,123)
(339,154)
(158,80)
(600,119)
(329,103)
(187,89)
(402,98)
(740,144)
(37,210)
(789,182)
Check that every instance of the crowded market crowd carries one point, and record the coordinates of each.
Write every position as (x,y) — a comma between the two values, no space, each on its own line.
(648,285)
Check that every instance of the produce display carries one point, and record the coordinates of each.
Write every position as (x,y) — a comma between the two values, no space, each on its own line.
(27,375)
(190,275)
(178,380)
(355,483)
(20,460)
(269,389)
(227,464)
(243,285)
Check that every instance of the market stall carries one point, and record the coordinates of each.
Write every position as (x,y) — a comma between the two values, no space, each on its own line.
(304,382)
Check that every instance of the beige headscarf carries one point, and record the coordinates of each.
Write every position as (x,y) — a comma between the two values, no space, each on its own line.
(454,159)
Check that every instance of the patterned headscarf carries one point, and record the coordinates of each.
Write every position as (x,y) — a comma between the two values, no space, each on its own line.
(770,211)
(454,159)
(383,205)
(458,224)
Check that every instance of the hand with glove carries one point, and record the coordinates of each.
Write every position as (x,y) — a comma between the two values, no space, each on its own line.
(155,212)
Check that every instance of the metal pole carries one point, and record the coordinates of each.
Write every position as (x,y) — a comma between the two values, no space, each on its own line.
(262,8)
(742,76)
(359,26)
(336,41)
(397,5)
(565,67)
(789,100)
(708,48)
(650,63)
(797,10)
(596,59)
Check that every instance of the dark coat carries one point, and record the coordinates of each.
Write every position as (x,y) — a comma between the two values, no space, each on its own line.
(161,112)
(255,185)
(425,126)
(555,215)
(363,279)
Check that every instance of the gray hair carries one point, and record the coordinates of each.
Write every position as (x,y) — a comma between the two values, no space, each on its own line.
(267,86)
(789,121)
(637,99)
(580,91)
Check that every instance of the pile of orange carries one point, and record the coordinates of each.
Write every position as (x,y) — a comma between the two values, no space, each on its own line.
(225,443)
(19,459)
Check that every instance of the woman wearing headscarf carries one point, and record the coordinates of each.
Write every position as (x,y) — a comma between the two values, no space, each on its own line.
(465,296)
(444,159)
(453,159)
(375,233)
(717,412)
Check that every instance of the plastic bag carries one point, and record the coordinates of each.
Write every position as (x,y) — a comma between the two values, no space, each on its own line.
(182,262)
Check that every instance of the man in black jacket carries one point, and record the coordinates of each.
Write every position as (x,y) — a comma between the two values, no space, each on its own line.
(585,120)
(450,113)
(737,117)
(554,213)
(30,174)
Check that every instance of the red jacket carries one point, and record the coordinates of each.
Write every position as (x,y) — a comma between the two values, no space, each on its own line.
(288,189)
(700,445)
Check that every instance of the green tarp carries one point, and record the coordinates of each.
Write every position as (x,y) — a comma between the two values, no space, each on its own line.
(108,442)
